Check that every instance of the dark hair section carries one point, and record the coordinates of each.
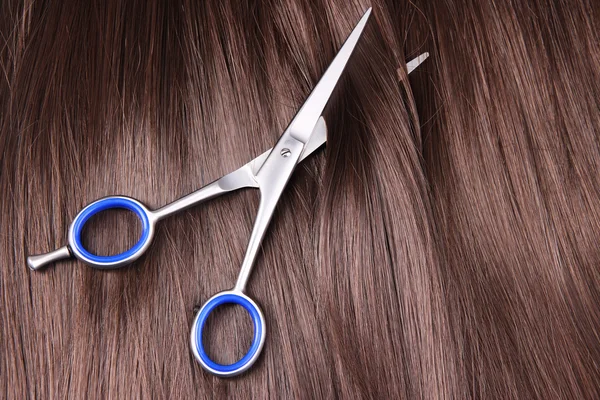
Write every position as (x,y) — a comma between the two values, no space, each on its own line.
(443,245)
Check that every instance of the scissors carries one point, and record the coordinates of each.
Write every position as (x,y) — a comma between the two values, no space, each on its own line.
(268,172)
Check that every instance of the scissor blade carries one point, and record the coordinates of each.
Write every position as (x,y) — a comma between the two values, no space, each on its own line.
(305,120)
(319,135)
(414,63)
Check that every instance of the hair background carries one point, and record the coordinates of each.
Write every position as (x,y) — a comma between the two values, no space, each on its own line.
(448,255)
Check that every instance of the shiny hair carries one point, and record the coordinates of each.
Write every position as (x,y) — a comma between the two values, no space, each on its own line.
(444,245)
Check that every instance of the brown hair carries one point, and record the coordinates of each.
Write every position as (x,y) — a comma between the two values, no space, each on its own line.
(442,246)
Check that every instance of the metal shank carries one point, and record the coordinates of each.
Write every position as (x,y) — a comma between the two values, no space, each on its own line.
(272,178)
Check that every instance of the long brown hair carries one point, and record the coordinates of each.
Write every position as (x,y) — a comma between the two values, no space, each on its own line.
(444,245)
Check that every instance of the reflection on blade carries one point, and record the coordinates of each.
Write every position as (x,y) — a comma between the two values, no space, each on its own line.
(305,120)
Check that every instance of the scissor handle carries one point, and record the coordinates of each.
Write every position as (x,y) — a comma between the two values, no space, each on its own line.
(117,260)
(258,340)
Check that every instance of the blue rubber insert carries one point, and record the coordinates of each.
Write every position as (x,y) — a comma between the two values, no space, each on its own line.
(229,298)
(106,204)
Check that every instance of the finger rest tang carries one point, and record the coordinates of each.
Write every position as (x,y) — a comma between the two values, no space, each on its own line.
(37,262)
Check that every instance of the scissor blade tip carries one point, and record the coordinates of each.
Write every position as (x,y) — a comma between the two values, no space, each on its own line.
(306,118)
(415,62)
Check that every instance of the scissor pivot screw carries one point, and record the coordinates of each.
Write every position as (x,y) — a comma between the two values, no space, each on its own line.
(286,152)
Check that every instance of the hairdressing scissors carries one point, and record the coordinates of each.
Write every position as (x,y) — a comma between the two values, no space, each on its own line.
(268,172)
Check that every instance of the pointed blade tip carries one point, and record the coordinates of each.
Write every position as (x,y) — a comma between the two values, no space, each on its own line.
(363,20)
(313,107)
(415,62)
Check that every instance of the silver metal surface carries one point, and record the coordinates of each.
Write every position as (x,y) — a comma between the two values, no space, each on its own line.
(238,179)
(244,177)
(271,178)
(414,63)
(37,262)
(304,122)
(317,139)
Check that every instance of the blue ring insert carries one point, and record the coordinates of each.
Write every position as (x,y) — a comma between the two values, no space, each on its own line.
(106,204)
(229,298)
